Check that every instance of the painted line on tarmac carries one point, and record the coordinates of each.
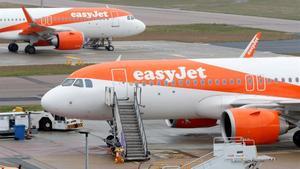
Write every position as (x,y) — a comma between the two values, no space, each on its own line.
(178,55)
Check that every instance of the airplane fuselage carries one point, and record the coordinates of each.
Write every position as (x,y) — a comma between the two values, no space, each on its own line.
(92,22)
(174,89)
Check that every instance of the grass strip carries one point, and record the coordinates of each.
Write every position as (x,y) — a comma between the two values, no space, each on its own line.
(31,70)
(9,108)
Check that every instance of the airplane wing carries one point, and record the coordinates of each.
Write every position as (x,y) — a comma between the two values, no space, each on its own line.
(250,50)
(36,29)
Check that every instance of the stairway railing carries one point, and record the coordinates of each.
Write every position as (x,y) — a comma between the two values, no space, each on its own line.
(140,122)
(120,133)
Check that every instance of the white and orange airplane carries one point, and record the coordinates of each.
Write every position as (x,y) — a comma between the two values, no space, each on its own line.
(256,98)
(66,28)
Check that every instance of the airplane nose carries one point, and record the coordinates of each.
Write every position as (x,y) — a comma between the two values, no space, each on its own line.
(49,100)
(140,26)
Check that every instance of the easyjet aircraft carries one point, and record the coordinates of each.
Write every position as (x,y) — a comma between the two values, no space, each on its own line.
(66,28)
(257,98)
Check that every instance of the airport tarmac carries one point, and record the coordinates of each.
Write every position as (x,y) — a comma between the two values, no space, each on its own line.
(28,90)
(152,16)
(128,50)
(168,146)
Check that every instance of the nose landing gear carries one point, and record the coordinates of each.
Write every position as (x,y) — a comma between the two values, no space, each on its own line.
(100,42)
(296,138)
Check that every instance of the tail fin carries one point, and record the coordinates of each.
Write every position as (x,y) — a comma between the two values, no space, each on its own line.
(250,50)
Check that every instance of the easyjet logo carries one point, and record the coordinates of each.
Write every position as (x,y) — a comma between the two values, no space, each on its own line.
(89,15)
(170,75)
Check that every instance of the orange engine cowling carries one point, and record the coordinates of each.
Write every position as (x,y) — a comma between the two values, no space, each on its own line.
(68,40)
(191,123)
(262,125)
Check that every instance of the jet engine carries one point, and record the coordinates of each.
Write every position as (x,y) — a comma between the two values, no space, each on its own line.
(191,123)
(68,40)
(261,125)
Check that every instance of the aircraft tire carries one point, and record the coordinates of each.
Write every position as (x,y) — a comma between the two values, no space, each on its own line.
(296,138)
(110,48)
(30,49)
(13,47)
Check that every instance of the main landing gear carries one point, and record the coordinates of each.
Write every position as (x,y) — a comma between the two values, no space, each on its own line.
(296,138)
(13,47)
(29,49)
(97,43)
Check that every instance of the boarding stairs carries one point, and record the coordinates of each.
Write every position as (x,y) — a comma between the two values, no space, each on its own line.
(234,153)
(129,126)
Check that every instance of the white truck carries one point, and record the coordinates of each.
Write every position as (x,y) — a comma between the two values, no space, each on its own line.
(39,120)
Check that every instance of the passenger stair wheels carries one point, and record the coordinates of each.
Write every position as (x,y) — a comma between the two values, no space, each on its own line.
(45,124)
(30,49)
(110,142)
(296,138)
(13,47)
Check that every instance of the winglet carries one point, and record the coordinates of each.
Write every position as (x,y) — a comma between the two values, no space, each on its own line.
(250,50)
(27,15)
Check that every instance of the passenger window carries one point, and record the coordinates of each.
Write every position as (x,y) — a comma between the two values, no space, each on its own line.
(166,83)
(297,79)
(209,82)
(158,83)
(290,80)
(282,79)
(202,82)
(231,81)
(224,82)
(68,82)
(217,81)
(276,80)
(128,17)
(180,82)
(88,83)
(151,83)
(78,83)
(173,83)
(239,81)
(188,82)
(195,82)
(269,80)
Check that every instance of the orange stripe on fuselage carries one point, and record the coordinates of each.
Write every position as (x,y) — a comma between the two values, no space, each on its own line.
(213,77)
(74,15)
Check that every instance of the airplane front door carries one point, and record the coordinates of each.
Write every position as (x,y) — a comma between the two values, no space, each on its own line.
(120,82)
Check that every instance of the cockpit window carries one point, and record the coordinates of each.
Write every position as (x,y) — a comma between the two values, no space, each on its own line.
(78,83)
(130,17)
(88,83)
(68,82)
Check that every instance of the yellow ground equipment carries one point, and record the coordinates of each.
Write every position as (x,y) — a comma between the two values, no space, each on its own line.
(74,61)
(119,159)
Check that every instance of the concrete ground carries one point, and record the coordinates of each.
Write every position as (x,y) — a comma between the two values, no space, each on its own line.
(127,49)
(153,16)
(168,146)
